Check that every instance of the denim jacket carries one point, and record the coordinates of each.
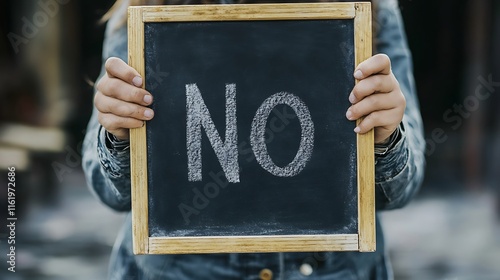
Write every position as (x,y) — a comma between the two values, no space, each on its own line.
(399,173)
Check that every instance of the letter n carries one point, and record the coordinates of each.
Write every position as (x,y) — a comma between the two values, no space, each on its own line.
(198,116)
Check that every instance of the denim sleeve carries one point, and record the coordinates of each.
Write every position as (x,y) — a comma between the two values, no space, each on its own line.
(107,168)
(399,173)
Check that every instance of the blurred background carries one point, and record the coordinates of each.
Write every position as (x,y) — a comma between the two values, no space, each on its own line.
(50,58)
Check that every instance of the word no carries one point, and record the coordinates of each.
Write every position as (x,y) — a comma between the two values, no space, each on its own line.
(198,116)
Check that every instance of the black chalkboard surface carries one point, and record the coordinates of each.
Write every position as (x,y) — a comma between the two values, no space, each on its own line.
(250,139)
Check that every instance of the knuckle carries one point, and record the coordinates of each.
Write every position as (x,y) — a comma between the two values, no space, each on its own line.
(137,111)
(384,58)
(100,118)
(364,126)
(395,82)
(99,102)
(104,120)
(117,90)
(378,81)
(113,84)
(111,63)
(97,99)
(354,110)
(124,110)
(371,85)
(115,87)
(400,99)
(377,117)
(372,118)
(98,86)
(403,99)
(355,91)
(106,86)
(358,90)
(103,83)
(120,122)
(374,102)
(136,94)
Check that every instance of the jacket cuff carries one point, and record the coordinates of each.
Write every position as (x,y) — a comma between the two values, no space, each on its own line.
(114,154)
(394,159)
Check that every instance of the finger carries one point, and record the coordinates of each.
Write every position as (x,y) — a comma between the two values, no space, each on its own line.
(372,84)
(109,105)
(386,119)
(376,102)
(118,89)
(113,123)
(377,64)
(117,68)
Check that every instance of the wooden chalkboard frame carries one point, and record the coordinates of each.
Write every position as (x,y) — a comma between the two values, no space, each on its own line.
(363,241)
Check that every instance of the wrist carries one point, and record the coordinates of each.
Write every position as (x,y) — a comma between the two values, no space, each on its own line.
(114,143)
(384,147)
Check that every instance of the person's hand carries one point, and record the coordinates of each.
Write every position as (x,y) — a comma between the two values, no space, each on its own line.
(120,99)
(377,97)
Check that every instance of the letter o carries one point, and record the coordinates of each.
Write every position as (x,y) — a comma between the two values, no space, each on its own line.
(270,135)
(258,141)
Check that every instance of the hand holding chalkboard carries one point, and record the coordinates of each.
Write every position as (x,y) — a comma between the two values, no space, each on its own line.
(120,99)
(378,97)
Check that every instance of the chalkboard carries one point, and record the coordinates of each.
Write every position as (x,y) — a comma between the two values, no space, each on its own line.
(250,145)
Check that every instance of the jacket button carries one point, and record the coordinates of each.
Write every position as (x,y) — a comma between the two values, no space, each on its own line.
(306,269)
(266,274)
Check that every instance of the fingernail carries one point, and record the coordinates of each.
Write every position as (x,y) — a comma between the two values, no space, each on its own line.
(348,114)
(148,99)
(148,113)
(358,74)
(357,129)
(352,98)
(137,81)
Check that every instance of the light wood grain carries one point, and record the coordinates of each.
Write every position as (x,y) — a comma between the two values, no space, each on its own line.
(138,145)
(248,244)
(366,155)
(254,12)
